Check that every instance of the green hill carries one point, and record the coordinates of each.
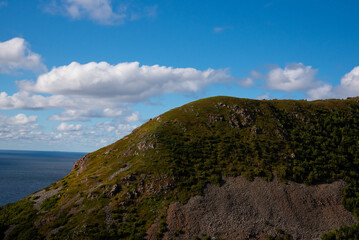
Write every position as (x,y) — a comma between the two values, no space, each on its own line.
(119,191)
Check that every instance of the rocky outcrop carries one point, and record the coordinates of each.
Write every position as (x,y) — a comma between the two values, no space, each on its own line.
(80,164)
(114,190)
(241,209)
(119,171)
(40,196)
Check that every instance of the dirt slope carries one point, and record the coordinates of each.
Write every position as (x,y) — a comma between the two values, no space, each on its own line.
(241,209)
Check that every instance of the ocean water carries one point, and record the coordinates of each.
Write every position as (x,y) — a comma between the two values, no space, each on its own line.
(25,172)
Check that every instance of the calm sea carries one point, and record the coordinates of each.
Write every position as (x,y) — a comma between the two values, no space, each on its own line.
(25,172)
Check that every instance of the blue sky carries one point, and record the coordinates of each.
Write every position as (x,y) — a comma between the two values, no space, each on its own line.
(76,75)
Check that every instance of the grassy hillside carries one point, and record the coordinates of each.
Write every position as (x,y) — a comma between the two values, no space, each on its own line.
(120,190)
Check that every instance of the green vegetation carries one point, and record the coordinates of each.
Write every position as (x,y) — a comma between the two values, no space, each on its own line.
(22,216)
(344,232)
(281,235)
(50,202)
(173,156)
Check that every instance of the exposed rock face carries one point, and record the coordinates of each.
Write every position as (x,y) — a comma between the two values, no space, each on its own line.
(119,171)
(81,164)
(42,195)
(8,231)
(114,190)
(241,209)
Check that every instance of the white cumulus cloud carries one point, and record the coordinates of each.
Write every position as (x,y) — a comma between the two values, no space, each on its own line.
(66,135)
(134,117)
(25,100)
(15,54)
(349,84)
(322,92)
(246,82)
(71,115)
(102,90)
(348,87)
(110,113)
(294,77)
(22,119)
(117,128)
(128,82)
(18,127)
(65,127)
(97,10)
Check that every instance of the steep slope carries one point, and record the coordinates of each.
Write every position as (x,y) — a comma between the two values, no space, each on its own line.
(125,189)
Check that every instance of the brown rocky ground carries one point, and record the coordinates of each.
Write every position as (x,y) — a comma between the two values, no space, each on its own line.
(241,209)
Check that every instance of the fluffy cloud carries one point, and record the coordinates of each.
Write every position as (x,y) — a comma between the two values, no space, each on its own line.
(294,77)
(322,92)
(77,108)
(101,90)
(349,87)
(64,127)
(109,132)
(19,126)
(134,117)
(114,127)
(15,54)
(99,11)
(25,100)
(91,90)
(349,84)
(246,82)
(127,82)
(249,81)
(21,119)
(71,115)
(97,135)
(85,115)
(24,129)
(298,77)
